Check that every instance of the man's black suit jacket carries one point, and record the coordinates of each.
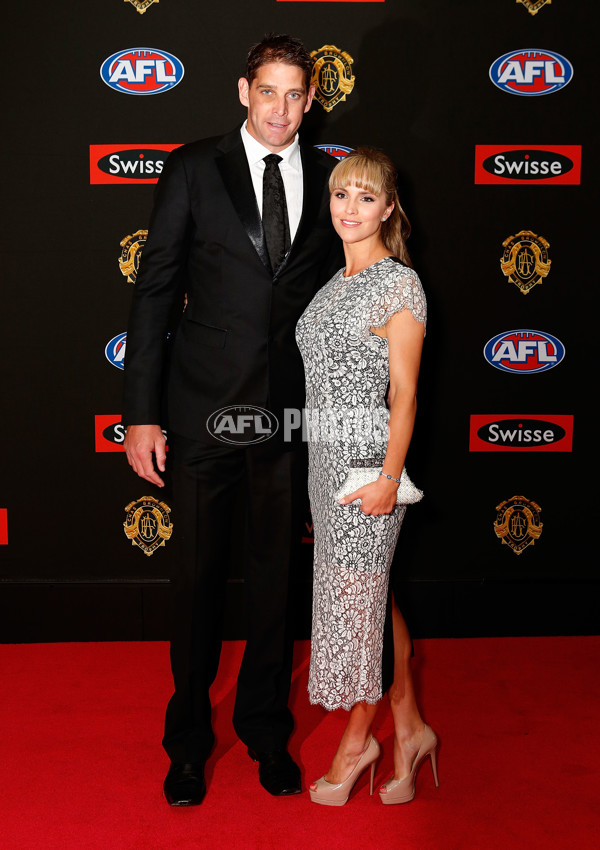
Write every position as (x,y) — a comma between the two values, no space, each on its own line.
(234,342)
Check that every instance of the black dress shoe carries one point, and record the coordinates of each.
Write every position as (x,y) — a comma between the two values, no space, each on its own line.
(278,773)
(184,784)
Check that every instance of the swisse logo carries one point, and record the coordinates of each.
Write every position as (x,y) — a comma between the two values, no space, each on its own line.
(338,151)
(3,527)
(528,164)
(524,351)
(514,432)
(242,425)
(127,163)
(142,70)
(531,72)
(510,433)
(115,350)
(109,432)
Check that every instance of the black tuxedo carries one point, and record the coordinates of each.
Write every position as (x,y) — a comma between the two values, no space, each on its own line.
(235,341)
(232,345)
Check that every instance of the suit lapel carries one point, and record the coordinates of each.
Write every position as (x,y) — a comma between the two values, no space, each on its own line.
(314,174)
(233,166)
(235,173)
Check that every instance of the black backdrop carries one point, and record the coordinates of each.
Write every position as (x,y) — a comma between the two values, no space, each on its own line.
(423,94)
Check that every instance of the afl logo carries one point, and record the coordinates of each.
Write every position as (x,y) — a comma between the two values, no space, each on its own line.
(338,151)
(531,72)
(142,70)
(115,351)
(524,351)
(242,425)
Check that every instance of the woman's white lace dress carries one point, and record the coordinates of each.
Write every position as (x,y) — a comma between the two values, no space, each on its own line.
(347,378)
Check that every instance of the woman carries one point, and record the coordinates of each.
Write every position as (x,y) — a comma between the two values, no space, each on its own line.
(362,332)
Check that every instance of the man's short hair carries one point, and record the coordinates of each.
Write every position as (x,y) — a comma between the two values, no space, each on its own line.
(279,48)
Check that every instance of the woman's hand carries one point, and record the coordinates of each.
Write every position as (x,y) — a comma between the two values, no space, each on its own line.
(377,498)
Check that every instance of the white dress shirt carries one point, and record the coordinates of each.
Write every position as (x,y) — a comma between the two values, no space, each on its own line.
(291,173)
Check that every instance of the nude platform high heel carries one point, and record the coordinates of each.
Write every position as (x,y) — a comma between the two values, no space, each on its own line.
(403,790)
(328,794)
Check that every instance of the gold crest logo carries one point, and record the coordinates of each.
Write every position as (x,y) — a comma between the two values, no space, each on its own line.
(534,6)
(332,76)
(518,523)
(142,5)
(525,260)
(131,251)
(147,524)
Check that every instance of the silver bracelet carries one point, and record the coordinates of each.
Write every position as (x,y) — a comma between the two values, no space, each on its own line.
(391,477)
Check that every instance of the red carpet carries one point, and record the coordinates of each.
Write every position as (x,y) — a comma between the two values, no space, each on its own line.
(82,765)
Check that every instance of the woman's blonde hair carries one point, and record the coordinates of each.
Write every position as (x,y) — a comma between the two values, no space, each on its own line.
(373,171)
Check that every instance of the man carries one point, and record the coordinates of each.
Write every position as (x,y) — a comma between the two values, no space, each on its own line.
(243,243)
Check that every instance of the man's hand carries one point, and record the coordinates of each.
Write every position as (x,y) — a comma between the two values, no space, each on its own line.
(140,442)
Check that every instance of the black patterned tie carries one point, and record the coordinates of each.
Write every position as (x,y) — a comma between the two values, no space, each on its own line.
(274,212)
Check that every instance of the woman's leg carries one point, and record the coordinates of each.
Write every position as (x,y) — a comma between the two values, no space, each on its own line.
(353,743)
(408,724)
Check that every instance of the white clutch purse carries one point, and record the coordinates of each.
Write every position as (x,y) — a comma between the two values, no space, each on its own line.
(359,475)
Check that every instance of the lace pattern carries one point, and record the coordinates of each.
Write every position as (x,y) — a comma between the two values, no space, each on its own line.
(346,368)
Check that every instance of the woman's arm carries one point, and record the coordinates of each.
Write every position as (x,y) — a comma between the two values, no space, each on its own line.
(405,342)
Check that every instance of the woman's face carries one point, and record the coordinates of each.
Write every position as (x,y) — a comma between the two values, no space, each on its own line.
(356,213)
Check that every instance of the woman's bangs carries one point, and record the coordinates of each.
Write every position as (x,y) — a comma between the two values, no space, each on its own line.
(357,171)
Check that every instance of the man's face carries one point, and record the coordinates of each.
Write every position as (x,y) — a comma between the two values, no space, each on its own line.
(276,101)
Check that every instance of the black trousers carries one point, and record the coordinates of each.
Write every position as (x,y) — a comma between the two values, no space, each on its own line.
(206,482)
